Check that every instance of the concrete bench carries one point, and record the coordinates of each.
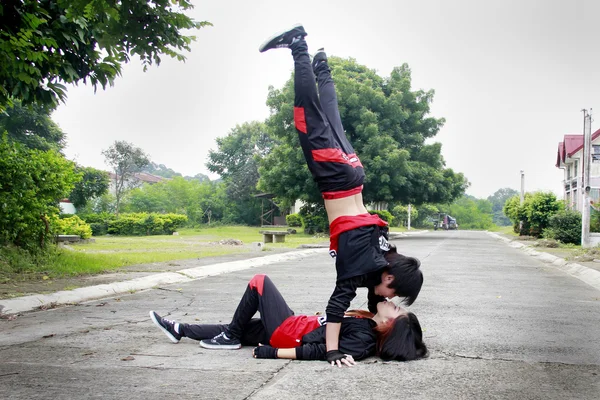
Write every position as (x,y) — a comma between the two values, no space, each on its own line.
(273,236)
(68,238)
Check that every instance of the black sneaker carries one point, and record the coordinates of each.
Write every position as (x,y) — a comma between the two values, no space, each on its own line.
(170,328)
(319,57)
(283,39)
(221,341)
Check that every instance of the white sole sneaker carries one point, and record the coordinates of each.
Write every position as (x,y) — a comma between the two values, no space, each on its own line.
(206,345)
(264,44)
(169,334)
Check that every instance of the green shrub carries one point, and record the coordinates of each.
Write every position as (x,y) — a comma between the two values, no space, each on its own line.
(71,226)
(314,218)
(99,228)
(384,215)
(535,212)
(293,220)
(31,183)
(143,224)
(565,227)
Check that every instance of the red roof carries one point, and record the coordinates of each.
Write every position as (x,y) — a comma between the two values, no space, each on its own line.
(571,145)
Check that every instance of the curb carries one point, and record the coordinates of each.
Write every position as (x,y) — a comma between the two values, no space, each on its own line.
(66,297)
(583,273)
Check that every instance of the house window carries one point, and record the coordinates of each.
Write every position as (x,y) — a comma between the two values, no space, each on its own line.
(596,153)
(575,168)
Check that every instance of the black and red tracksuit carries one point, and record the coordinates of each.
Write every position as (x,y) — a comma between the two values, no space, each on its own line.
(358,242)
(279,327)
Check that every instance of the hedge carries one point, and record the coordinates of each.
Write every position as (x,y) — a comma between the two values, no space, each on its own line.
(144,224)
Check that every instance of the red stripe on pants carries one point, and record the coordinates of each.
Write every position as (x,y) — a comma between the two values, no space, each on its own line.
(257,283)
(300,119)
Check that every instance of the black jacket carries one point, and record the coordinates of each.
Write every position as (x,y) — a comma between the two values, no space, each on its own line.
(357,339)
(359,262)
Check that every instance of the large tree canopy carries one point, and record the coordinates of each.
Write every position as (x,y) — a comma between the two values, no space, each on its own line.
(236,160)
(387,124)
(32,126)
(44,43)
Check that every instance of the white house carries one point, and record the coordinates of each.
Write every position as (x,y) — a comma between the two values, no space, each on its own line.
(570,159)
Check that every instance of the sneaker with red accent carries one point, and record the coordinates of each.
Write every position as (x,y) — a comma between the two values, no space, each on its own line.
(283,39)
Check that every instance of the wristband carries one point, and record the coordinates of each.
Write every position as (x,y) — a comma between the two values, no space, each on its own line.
(265,352)
(334,355)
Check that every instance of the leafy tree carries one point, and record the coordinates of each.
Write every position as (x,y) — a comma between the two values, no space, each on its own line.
(538,210)
(125,159)
(94,183)
(387,123)
(498,199)
(173,196)
(32,126)
(426,212)
(236,161)
(400,213)
(198,177)
(160,170)
(44,43)
(31,184)
(471,213)
(535,212)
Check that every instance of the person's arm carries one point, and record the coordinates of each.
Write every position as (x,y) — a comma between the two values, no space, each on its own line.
(339,302)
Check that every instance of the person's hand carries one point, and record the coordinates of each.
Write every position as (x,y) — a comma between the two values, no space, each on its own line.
(336,357)
(264,352)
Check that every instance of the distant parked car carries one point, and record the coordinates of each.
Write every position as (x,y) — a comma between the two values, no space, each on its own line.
(452,224)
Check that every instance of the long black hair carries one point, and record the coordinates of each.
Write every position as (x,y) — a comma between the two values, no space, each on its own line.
(401,339)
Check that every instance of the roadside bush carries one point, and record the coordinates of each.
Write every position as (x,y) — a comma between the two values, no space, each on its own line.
(144,224)
(384,215)
(99,229)
(71,226)
(98,222)
(565,227)
(314,218)
(31,184)
(400,214)
(293,220)
(535,212)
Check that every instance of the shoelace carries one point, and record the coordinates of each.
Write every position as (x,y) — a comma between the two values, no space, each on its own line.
(220,335)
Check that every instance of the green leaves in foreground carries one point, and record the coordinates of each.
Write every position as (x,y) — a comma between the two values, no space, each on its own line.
(44,44)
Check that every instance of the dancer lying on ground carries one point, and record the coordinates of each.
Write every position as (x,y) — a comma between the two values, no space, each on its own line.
(392,333)
(364,258)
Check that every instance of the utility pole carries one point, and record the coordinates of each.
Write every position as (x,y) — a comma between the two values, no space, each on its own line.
(522,198)
(587,156)
(409,211)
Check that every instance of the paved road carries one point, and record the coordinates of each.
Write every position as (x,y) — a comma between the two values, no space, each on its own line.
(499,325)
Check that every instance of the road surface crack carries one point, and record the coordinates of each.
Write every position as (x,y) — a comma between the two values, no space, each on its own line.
(267,381)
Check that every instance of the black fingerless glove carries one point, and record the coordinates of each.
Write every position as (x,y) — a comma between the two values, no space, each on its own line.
(265,352)
(334,355)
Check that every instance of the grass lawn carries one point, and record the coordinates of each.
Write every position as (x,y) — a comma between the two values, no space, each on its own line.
(114,252)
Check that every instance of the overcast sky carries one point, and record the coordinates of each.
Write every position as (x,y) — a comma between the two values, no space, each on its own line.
(510,77)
